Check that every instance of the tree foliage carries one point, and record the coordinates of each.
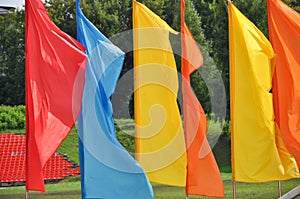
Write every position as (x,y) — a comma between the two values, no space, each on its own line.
(214,17)
(295,4)
(12,117)
(62,12)
(207,20)
(12,59)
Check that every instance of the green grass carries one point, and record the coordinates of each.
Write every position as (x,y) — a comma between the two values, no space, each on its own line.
(70,146)
(15,131)
(67,190)
(126,131)
(71,190)
(125,122)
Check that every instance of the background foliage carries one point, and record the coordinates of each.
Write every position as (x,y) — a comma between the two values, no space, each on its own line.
(12,59)
(12,117)
(207,20)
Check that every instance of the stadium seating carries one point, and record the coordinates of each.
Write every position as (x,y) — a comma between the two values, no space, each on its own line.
(12,162)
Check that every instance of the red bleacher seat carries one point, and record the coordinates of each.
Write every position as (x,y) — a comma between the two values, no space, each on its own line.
(12,162)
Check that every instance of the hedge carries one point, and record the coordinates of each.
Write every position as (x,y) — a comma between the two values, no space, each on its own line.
(12,117)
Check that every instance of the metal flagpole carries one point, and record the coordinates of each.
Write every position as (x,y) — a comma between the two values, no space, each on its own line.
(233,182)
(27,194)
(186,196)
(234,189)
(279,188)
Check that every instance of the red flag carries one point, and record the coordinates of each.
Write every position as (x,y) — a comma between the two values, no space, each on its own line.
(55,65)
(284,28)
(203,175)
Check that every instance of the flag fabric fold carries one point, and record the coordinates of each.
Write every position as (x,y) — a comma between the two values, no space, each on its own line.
(284,30)
(107,169)
(55,65)
(160,141)
(258,153)
(203,175)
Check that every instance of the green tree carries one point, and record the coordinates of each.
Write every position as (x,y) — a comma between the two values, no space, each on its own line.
(256,11)
(215,26)
(62,13)
(214,16)
(12,59)
(110,17)
(207,71)
(207,20)
(295,4)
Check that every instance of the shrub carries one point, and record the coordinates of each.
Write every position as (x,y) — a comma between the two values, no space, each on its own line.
(12,117)
(127,141)
(125,133)
(218,133)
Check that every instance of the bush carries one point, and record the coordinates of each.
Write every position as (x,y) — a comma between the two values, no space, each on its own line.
(127,141)
(125,133)
(222,149)
(218,133)
(12,117)
(226,129)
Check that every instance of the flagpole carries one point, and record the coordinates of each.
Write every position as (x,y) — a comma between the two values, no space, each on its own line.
(233,182)
(27,194)
(234,189)
(279,188)
(186,196)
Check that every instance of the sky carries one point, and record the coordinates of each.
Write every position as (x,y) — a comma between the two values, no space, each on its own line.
(15,3)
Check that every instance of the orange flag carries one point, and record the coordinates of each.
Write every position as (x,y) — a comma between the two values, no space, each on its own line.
(284,30)
(203,175)
(55,65)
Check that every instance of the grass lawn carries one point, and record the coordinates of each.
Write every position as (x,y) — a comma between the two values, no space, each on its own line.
(70,187)
(71,190)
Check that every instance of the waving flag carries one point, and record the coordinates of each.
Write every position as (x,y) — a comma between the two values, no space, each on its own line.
(258,153)
(55,65)
(107,169)
(159,135)
(203,175)
(284,28)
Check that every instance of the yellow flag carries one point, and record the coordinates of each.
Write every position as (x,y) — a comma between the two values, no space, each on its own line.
(258,153)
(160,141)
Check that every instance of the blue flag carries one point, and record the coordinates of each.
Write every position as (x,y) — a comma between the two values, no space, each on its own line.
(107,169)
